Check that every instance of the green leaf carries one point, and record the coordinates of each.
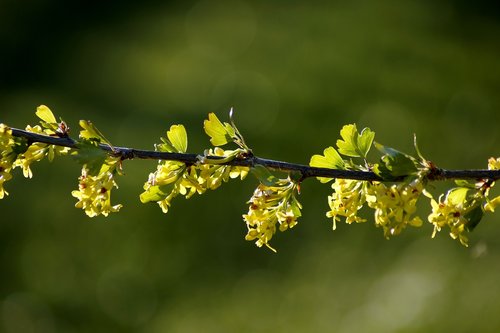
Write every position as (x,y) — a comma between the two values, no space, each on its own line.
(153,194)
(330,160)
(90,155)
(296,206)
(353,143)
(176,141)
(219,133)
(457,195)
(90,132)
(264,175)
(464,183)
(44,113)
(365,141)
(474,217)
(348,146)
(394,164)
(178,137)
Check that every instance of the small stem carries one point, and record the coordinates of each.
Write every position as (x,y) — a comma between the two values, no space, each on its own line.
(250,161)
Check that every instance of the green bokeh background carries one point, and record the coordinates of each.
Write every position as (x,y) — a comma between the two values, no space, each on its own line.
(295,72)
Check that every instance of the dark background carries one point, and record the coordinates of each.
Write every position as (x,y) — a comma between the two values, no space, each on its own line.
(295,73)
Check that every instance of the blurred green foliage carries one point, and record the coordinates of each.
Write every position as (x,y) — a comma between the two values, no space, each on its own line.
(295,73)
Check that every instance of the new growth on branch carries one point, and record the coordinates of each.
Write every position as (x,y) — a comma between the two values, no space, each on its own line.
(390,186)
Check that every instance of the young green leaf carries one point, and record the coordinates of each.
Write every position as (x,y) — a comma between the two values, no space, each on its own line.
(178,137)
(176,141)
(353,143)
(457,196)
(330,160)
(394,164)
(44,113)
(89,154)
(90,132)
(465,183)
(348,146)
(365,141)
(264,175)
(219,133)
(155,193)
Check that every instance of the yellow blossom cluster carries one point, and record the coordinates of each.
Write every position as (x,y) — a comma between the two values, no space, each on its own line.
(212,175)
(270,206)
(7,157)
(461,208)
(94,191)
(449,211)
(494,163)
(18,153)
(172,178)
(395,205)
(347,198)
(491,204)
(37,151)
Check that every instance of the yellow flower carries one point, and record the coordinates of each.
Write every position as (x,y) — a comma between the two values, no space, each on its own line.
(348,197)
(271,205)
(213,174)
(94,192)
(287,219)
(494,163)
(4,176)
(34,153)
(170,179)
(491,204)
(449,213)
(261,226)
(37,151)
(7,157)
(395,205)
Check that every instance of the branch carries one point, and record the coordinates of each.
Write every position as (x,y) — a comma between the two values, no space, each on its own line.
(250,161)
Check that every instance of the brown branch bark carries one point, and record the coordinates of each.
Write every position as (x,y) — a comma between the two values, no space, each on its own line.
(250,161)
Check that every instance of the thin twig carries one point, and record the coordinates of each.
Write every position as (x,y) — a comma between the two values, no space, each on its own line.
(250,161)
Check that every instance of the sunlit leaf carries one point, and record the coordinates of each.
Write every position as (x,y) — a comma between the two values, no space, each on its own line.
(178,136)
(348,145)
(90,132)
(457,196)
(354,144)
(176,141)
(44,113)
(219,133)
(365,141)
(330,160)
(154,194)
